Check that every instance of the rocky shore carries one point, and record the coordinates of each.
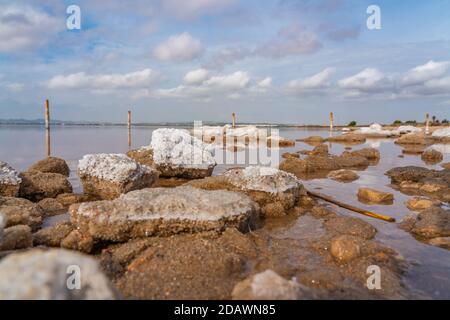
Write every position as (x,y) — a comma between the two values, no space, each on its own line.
(156,224)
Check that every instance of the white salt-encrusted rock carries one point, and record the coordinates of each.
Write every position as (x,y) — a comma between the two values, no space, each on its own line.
(267,285)
(441,133)
(407,129)
(374,129)
(9,181)
(109,175)
(178,154)
(164,211)
(47,275)
(247,131)
(266,179)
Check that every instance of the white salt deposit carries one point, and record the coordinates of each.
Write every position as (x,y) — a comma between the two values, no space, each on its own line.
(375,129)
(407,129)
(112,167)
(269,284)
(440,133)
(266,179)
(178,148)
(247,131)
(8,175)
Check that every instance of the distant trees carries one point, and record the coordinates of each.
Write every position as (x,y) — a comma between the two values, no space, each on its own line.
(397,122)
(411,122)
(352,123)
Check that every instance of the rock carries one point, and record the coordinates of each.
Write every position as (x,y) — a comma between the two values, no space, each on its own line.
(432,223)
(51,207)
(274,190)
(368,153)
(432,156)
(313,139)
(51,165)
(346,248)
(348,138)
(106,176)
(267,285)
(279,142)
(414,138)
(413,149)
(21,211)
(443,242)
(16,237)
(418,204)
(36,185)
(75,240)
(9,181)
(290,155)
(410,173)
(446,165)
(52,236)
(320,150)
(343,175)
(143,155)
(164,211)
(369,195)
(67,199)
(44,275)
(178,154)
(351,226)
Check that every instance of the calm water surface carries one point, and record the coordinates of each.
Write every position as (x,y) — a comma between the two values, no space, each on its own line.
(429,273)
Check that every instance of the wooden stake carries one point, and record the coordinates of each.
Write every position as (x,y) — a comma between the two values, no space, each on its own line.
(47,142)
(352,208)
(427,123)
(331,121)
(233,116)
(47,114)
(129,119)
(129,128)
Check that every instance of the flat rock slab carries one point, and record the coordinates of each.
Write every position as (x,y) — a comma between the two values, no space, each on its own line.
(106,176)
(18,211)
(368,195)
(164,211)
(9,181)
(43,275)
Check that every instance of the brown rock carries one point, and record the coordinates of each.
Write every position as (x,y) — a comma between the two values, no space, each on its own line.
(432,156)
(320,150)
(75,240)
(290,155)
(16,237)
(348,138)
(51,165)
(19,211)
(432,223)
(443,242)
(9,181)
(413,149)
(36,186)
(418,204)
(351,226)
(51,207)
(414,138)
(143,155)
(368,153)
(67,199)
(369,195)
(343,175)
(446,165)
(313,139)
(346,248)
(52,236)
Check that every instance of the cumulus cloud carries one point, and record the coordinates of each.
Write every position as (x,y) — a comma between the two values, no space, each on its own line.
(426,72)
(368,80)
(292,40)
(25,27)
(81,80)
(227,56)
(317,81)
(191,9)
(196,76)
(180,47)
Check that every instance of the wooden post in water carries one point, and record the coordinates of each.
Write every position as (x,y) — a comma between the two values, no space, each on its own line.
(129,128)
(427,123)
(47,127)
(233,116)
(331,121)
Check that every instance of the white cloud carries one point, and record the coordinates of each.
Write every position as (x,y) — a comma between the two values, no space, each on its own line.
(196,76)
(265,83)
(180,47)
(368,80)
(14,86)
(317,81)
(81,80)
(428,71)
(191,9)
(235,81)
(25,27)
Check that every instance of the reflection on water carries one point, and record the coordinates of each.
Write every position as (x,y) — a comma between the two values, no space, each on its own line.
(21,146)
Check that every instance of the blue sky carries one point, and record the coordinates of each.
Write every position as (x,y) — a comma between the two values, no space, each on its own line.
(280,61)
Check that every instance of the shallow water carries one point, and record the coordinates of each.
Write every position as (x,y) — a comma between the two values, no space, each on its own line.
(429,274)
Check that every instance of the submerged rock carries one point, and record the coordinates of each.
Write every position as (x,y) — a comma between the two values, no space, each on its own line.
(36,185)
(346,248)
(268,285)
(274,190)
(430,223)
(45,275)
(418,204)
(432,156)
(51,165)
(106,176)
(21,211)
(16,237)
(369,195)
(178,154)
(343,175)
(9,181)
(164,211)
